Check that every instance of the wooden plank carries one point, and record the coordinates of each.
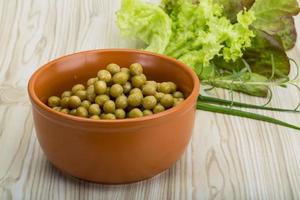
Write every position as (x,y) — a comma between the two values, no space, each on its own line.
(228,157)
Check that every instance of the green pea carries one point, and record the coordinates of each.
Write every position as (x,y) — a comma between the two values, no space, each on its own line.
(74,102)
(126,70)
(109,106)
(120,78)
(114,82)
(101,99)
(65,110)
(144,77)
(91,81)
(82,94)
(154,83)
(95,117)
(147,112)
(158,95)
(77,87)
(127,87)
(100,87)
(178,94)
(164,87)
(136,90)
(113,68)
(137,81)
(158,108)
(135,113)
(81,112)
(116,90)
(73,112)
(121,102)
(135,99)
(136,69)
(53,101)
(57,108)
(120,114)
(85,104)
(149,102)
(173,86)
(66,94)
(64,102)
(167,101)
(94,109)
(149,89)
(108,116)
(177,101)
(90,93)
(104,75)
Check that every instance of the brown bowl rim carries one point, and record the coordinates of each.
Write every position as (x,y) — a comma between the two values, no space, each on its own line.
(185,103)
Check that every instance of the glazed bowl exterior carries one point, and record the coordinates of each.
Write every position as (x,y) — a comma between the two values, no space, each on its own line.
(112,151)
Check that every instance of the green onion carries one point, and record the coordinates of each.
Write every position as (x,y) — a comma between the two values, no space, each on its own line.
(224,102)
(240,113)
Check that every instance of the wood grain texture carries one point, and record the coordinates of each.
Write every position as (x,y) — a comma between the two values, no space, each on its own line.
(228,157)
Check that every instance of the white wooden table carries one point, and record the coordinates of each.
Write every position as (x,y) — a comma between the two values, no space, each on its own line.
(228,157)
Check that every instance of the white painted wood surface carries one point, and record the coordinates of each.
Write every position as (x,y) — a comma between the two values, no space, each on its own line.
(228,157)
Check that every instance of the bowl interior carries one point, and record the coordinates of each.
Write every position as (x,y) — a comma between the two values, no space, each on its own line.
(63,73)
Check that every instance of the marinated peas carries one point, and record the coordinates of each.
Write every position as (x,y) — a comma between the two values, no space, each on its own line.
(117,93)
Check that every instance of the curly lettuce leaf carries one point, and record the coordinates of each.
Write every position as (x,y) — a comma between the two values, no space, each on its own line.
(269,14)
(265,53)
(146,22)
(210,39)
(233,7)
(200,32)
(283,10)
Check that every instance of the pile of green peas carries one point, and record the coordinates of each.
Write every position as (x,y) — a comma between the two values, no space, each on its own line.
(117,93)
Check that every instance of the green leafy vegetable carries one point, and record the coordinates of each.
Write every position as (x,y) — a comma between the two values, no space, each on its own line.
(288,34)
(217,38)
(265,51)
(267,60)
(200,32)
(269,14)
(232,7)
(272,16)
(145,21)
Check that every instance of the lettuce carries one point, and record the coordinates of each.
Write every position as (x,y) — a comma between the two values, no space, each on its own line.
(288,34)
(213,36)
(200,32)
(259,56)
(269,14)
(232,7)
(146,22)
(272,16)
(194,34)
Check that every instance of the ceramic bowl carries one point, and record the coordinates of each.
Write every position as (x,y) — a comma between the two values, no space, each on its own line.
(112,151)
